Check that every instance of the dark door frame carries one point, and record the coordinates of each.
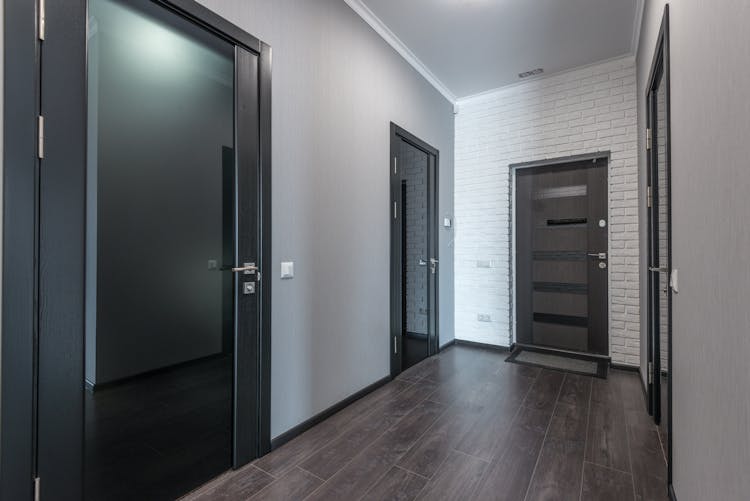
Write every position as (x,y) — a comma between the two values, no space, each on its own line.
(512,307)
(394,215)
(44,283)
(659,73)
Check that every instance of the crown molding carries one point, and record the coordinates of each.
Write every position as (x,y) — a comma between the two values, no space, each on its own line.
(623,57)
(381,29)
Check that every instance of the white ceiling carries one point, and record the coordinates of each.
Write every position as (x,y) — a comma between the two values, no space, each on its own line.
(471,46)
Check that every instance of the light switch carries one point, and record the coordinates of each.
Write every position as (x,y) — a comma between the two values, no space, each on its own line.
(287,269)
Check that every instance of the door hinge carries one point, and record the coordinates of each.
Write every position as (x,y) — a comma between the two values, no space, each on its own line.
(37,488)
(649,197)
(395,345)
(648,138)
(40,136)
(395,165)
(395,211)
(650,372)
(42,18)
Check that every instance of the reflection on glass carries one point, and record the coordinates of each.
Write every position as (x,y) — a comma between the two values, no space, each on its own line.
(159,308)
(414,165)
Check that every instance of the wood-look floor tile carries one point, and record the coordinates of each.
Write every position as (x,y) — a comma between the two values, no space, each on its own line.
(294,484)
(396,485)
(332,457)
(600,483)
(235,486)
(508,476)
(607,440)
(648,464)
(544,392)
(356,477)
(301,447)
(558,471)
(456,478)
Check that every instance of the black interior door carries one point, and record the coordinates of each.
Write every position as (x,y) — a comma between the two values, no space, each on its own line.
(660,292)
(415,261)
(151,364)
(562,256)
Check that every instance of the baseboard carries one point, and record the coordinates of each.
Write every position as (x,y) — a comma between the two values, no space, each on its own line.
(325,414)
(448,344)
(485,346)
(672,495)
(623,367)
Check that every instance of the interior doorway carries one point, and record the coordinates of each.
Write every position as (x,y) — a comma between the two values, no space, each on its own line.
(151,349)
(661,282)
(561,254)
(414,250)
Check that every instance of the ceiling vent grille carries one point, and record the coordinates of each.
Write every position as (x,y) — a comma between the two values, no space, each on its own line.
(530,73)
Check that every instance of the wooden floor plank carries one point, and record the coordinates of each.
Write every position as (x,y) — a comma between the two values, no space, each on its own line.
(456,479)
(397,485)
(294,484)
(508,476)
(601,483)
(466,425)
(558,471)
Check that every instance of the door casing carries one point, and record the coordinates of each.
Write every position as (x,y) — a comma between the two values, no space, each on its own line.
(395,341)
(43,257)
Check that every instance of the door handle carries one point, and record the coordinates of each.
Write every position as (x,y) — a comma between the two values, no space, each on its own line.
(658,270)
(247,269)
(599,255)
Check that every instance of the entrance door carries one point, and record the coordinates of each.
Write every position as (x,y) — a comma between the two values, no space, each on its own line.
(561,256)
(414,257)
(151,370)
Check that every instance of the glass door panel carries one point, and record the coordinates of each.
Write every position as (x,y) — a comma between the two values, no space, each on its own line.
(160,244)
(416,254)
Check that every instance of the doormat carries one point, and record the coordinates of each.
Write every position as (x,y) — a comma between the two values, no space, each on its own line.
(568,362)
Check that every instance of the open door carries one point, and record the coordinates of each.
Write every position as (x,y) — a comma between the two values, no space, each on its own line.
(414,250)
(152,348)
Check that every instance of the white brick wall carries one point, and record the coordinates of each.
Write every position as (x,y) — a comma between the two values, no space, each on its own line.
(582,111)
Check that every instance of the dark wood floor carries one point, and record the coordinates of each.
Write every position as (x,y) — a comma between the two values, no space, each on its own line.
(466,425)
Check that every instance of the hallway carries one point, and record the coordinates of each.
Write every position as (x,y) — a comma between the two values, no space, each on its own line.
(465,424)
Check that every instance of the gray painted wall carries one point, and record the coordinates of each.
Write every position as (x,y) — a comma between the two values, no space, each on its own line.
(711,237)
(336,87)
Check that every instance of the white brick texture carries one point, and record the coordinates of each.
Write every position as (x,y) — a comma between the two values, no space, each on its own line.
(583,111)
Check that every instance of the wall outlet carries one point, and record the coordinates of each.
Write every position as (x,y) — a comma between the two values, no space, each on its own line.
(483,317)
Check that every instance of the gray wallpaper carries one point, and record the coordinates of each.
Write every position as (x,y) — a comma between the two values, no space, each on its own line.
(337,85)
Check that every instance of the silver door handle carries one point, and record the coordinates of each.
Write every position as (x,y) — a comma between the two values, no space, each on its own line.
(247,268)
(599,255)
(658,270)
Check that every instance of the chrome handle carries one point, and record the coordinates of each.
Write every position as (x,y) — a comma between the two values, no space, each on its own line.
(247,268)
(658,270)
(600,255)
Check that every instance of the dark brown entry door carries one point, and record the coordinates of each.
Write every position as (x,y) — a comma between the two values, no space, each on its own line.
(562,256)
